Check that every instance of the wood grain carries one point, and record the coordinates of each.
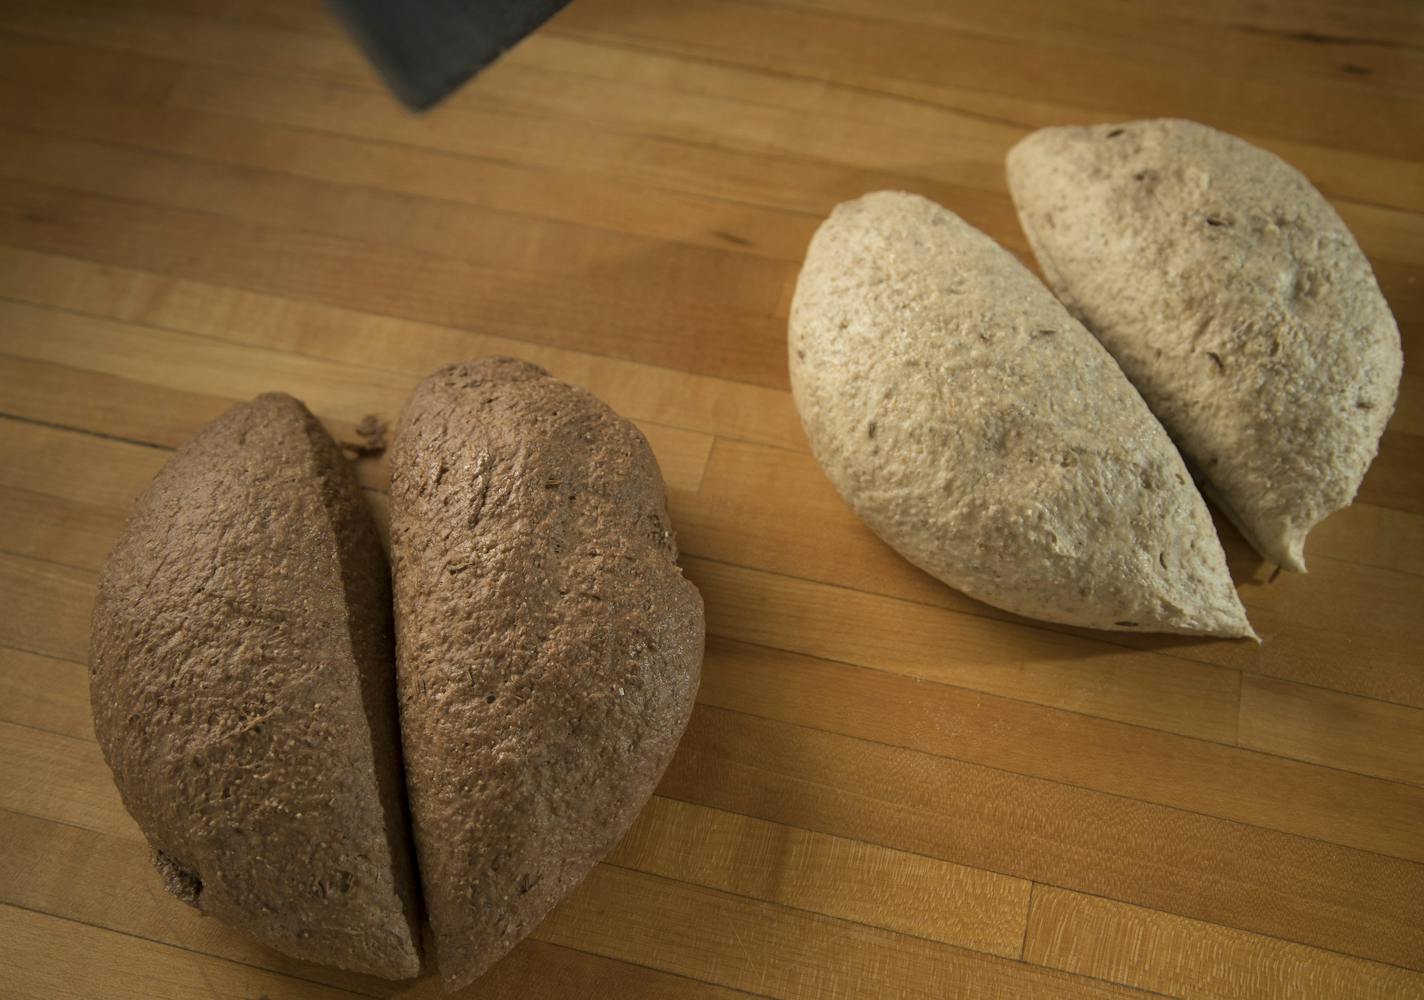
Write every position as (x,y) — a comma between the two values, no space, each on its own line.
(392,280)
(1189,958)
(49,868)
(780,951)
(122,966)
(602,202)
(1200,866)
(60,778)
(1393,815)
(1311,723)
(753,858)
(843,878)
(44,455)
(872,48)
(1131,761)
(886,789)
(45,693)
(334,333)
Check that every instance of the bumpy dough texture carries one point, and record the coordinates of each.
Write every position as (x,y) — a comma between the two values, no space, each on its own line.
(981,431)
(243,692)
(1235,300)
(548,646)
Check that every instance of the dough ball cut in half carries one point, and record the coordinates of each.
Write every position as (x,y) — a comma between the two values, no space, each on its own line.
(548,646)
(1235,300)
(983,433)
(243,693)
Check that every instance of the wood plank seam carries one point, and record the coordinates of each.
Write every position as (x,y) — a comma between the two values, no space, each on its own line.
(742,149)
(881,17)
(1047,948)
(352,87)
(514,111)
(729,246)
(762,901)
(1241,930)
(653,968)
(1075,785)
(1264,751)
(180,157)
(862,668)
(787,649)
(557,28)
(267,293)
(1107,638)
(494,106)
(554,28)
(583,37)
(341,365)
(680,881)
(638,45)
(1248,702)
(745,69)
(850,664)
(688,48)
(730,437)
(148,319)
(988,613)
(279,298)
(818,12)
(1028,918)
(299,230)
(190,951)
(52,819)
(71,429)
(1240,685)
(950,757)
(1027,915)
(357,86)
(210,338)
(759,900)
(271,967)
(42,729)
(915,750)
(874,927)
(859,668)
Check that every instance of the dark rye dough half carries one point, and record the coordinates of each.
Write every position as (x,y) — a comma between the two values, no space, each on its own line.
(548,646)
(241,682)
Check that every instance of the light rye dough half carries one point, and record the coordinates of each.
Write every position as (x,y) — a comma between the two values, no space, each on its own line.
(984,434)
(1235,300)
(242,678)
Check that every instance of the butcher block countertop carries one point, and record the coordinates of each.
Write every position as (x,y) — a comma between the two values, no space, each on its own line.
(886,789)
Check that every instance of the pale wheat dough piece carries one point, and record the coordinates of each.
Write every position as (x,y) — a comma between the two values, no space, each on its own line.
(548,646)
(1235,300)
(981,431)
(242,678)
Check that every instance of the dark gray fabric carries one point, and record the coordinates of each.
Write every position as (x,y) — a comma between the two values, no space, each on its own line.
(426,48)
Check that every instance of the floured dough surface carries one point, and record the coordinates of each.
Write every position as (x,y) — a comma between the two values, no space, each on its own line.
(242,681)
(1235,300)
(548,645)
(978,428)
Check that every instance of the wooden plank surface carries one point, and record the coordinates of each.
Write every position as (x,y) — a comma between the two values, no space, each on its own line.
(886,789)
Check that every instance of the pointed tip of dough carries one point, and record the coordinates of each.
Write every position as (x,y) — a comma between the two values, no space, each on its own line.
(1228,623)
(1243,630)
(1286,550)
(1234,624)
(1294,555)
